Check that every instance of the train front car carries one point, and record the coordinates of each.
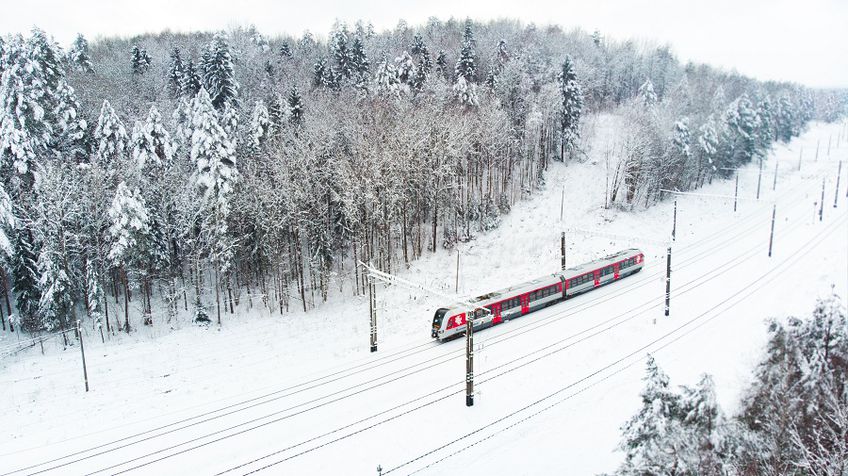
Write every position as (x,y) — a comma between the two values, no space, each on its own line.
(437,321)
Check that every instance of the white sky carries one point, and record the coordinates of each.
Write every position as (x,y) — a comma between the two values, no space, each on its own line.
(805,41)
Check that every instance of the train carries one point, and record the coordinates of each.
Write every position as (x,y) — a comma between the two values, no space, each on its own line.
(515,301)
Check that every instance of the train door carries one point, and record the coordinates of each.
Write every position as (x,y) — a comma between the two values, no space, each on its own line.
(597,275)
(525,303)
(616,268)
(496,311)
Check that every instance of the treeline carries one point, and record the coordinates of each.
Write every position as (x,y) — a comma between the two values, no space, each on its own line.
(793,418)
(214,170)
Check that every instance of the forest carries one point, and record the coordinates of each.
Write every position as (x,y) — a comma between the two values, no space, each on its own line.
(145,177)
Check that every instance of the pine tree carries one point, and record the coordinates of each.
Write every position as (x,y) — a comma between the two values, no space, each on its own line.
(785,120)
(649,437)
(319,73)
(344,65)
(501,55)
(176,73)
(647,95)
(465,93)
(466,66)
(260,126)
(572,108)
(28,100)
(277,111)
(110,137)
(218,74)
(129,233)
(468,34)
(79,56)
(742,124)
(56,301)
(295,104)
(405,67)
(285,50)
(190,83)
(94,293)
(386,79)
(25,285)
(442,64)
(139,60)
(359,59)
(71,128)
(216,177)
(229,119)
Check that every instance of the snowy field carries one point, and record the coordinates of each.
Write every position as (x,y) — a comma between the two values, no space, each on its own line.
(302,394)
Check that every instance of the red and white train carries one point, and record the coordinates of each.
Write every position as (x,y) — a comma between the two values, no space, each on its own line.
(524,298)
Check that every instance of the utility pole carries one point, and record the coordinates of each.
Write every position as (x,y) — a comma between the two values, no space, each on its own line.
(457,271)
(562,204)
(372,300)
(818,143)
(668,281)
(562,246)
(673,227)
(736,191)
(828,144)
(801,156)
(759,178)
(82,351)
(771,235)
(838,176)
(774,186)
(469,359)
(821,205)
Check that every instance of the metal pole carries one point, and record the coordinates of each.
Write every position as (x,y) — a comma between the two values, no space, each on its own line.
(469,360)
(801,155)
(821,205)
(818,143)
(736,191)
(774,186)
(674,226)
(562,204)
(562,245)
(668,281)
(372,292)
(82,351)
(828,144)
(838,176)
(759,178)
(771,235)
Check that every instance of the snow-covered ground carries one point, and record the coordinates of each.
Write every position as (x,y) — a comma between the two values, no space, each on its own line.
(303,392)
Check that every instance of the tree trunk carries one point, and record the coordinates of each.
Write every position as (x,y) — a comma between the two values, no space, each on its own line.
(126,300)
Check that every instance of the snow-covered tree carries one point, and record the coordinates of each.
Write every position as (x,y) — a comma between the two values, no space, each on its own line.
(342,55)
(79,56)
(110,137)
(218,73)
(466,64)
(295,106)
(176,73)
(190,83)
(129,231)
(386,79)
(260,126)
(71,127)
(647,95)
(465,93)
(139,60)
(572,108)
(285,50)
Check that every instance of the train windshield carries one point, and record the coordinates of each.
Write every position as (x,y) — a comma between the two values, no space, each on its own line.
(437,319)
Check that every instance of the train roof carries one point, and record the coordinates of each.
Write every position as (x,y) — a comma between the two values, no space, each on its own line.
(592,265)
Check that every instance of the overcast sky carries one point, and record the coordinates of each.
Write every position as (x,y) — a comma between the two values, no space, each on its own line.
(802,41)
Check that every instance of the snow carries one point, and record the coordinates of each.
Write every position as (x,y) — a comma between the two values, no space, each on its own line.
(268,381)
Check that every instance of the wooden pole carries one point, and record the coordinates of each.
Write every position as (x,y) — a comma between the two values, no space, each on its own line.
(759,178)
(821,205)
(838,176)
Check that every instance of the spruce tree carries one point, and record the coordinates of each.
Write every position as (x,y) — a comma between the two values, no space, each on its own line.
(295,104)
(285,50)
(344,66)
(319,72)
(71,127)
(359,59)
(466,66)
(277,111)
(190,83)
(139,60)
(129,231)
(260,126)
(110,137)
(79,56)
(572,108)
(26,276)
(218,74)
(176,73)
(442,64)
